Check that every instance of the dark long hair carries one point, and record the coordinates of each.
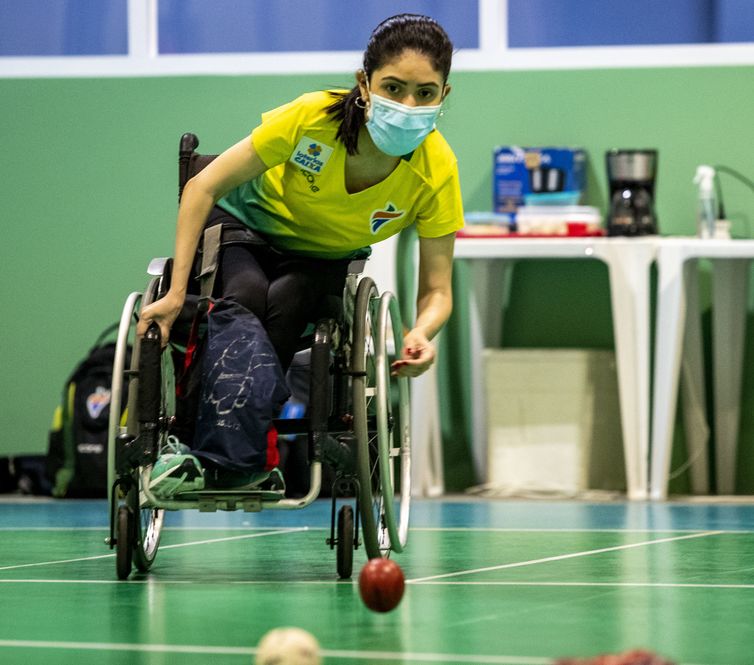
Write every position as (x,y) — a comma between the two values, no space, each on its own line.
(388,40)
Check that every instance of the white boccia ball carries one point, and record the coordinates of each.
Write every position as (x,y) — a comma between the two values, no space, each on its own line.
(288,646)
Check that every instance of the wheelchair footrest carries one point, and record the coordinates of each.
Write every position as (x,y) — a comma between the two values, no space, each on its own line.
(210,501)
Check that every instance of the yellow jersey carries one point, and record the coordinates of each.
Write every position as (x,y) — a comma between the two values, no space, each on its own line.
(301,205)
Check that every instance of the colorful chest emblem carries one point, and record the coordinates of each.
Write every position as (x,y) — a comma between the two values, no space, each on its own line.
(97,402)
(311,155)
(381,217)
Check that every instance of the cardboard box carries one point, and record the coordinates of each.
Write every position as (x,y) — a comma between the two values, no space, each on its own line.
(553,419)
(555,173)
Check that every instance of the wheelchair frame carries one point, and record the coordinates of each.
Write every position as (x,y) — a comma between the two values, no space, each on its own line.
(352,395)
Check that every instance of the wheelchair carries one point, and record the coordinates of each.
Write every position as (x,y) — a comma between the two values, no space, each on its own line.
(354,402)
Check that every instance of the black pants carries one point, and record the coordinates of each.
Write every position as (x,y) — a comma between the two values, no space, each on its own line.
(285,292)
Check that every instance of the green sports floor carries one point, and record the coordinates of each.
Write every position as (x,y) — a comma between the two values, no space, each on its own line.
(507,582)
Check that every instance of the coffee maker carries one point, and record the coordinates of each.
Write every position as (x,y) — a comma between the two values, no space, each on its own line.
(631,178)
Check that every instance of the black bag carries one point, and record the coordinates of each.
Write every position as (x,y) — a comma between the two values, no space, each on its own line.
(77,452)
(24,474)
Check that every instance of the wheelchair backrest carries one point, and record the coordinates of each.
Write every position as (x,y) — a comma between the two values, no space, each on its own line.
(190,162)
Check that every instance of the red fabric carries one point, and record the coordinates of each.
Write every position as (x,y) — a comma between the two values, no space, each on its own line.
(188,358)
(634,657)
(273,454)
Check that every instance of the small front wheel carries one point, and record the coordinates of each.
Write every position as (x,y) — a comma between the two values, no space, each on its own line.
(124,543)
(147,527)
(344,551)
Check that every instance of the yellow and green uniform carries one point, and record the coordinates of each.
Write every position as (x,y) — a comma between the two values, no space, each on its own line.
(300,204)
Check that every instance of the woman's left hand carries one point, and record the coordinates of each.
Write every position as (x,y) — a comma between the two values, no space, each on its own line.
(417,357)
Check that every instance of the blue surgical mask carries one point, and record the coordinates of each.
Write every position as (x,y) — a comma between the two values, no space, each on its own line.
(397,129)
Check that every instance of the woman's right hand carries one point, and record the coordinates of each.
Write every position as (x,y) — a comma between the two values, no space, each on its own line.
(163,312)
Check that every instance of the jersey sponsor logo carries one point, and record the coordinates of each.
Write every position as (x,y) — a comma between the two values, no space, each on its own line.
(382,216)
(97,402)
(312,180)
(311,155)
(90,448)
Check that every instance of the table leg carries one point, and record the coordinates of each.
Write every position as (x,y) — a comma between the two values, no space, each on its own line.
(730,289)
(693,394)
(629,289)
(671,311)
(426,437)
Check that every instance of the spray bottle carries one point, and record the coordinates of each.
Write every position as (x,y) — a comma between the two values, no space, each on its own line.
(705,181)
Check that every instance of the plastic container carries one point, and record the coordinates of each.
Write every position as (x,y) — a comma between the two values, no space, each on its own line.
(552,199)
(486,225)
(559,220)
(707,204)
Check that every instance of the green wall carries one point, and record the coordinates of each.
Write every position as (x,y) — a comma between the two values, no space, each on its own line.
(88,195)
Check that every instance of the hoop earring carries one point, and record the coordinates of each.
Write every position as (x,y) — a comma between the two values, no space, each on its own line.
(363,104)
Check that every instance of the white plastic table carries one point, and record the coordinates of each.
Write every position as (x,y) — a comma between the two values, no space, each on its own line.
(628,261)
(678,353)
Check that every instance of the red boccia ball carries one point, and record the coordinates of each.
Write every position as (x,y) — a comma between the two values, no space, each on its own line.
(381,584)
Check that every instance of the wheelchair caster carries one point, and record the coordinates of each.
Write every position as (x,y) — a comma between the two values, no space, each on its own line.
(344,552)
(124,543)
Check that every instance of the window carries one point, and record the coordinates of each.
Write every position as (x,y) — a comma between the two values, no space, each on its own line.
(176,37)
(563,23)
(254,26)
(63,27)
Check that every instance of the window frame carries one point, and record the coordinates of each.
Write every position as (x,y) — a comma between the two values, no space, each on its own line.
(493,53)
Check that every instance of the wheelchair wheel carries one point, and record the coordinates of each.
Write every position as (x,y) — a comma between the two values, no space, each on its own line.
(145,521)
(148,520)
(381,421)
(344,548)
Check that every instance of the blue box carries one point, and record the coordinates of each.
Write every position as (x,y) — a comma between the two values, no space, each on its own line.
(554,175)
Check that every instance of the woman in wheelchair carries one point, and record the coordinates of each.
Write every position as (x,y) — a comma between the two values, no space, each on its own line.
(317,182)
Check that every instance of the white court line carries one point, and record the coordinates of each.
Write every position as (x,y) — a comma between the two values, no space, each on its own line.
(151,581)
(428,529)
(250,651)
(562,557)
(353,582)
(510,529)
(163,547)
(229,538)
(106,528)
(637,585)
